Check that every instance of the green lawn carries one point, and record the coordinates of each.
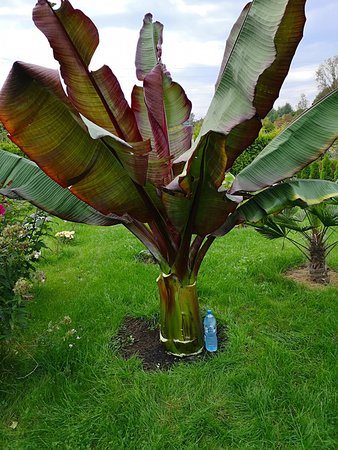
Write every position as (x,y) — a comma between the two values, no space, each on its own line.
(272,387)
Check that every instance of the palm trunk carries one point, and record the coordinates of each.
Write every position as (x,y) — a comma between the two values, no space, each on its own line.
(317,266)
(181,325)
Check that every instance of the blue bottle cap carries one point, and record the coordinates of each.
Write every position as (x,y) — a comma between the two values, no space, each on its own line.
(209,311)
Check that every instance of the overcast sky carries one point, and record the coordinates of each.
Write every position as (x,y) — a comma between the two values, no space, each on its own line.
(194,37)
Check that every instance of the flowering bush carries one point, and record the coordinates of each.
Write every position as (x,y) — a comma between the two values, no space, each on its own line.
(21,241)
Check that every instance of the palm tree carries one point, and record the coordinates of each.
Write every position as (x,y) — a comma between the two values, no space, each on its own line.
(315,225)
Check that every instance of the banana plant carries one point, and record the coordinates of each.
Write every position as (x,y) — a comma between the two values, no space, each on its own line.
(315,224)
(100,160)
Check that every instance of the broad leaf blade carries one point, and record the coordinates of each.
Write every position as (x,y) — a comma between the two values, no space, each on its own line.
(326,213)
(149,47)
(231,41)
(23,179)
(50,133)
(162,110)
(272,200)
(134,158)
(257,58)
(270,230)
(97,95)
(303,141)
(207,206)
(255,61)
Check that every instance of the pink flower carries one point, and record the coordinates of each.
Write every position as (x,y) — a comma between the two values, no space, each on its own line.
(2,210)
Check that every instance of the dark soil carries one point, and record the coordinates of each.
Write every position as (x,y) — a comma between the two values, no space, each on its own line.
(140,337)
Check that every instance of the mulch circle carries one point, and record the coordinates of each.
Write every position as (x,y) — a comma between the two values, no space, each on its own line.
(301,275)
(140,337)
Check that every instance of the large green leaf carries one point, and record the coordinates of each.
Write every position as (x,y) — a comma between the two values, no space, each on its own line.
(149,47)
(96,94)
(23,179)
(257,58)
(302,142)
(51,134)
(134,158)
(207,205)
(327,213)
(274,199)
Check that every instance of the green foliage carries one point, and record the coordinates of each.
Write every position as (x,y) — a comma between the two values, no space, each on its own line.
(315,170)
(326,168)
(3,133)
(7,144)
(21,241)
(12,148)
(268,126)
(336,173)
(274,114)
(314,224)
(253,151)
(305,172)
(334,163)
(197,125)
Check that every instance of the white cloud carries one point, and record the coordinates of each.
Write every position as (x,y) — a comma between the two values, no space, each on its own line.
(181,53)
(102,7)
(198,9)
(28,46)
(16,10)
(301,74)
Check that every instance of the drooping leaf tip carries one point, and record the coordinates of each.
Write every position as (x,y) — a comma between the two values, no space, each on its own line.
(148,18)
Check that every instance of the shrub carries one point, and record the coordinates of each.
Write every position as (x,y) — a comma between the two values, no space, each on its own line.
(305,172)
(315,170)
(21,241)
(336,173)
(6,144)
(334,164)
(252,151)
(12,148)
(326,168)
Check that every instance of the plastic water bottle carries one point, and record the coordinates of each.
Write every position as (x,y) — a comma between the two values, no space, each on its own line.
(210,332)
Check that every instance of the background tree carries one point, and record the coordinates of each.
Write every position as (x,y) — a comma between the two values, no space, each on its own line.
(197,125)
(315,225)
(327,74)
(303,103)
(327,77)
(305,172)
(253,150)
(315,170)
(326,168)
(281,111)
